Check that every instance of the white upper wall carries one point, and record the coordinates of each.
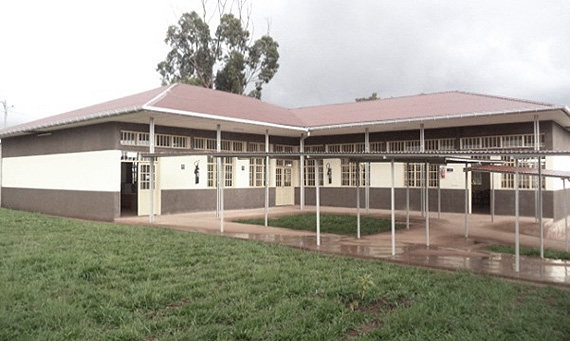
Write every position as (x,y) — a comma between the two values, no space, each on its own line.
(87,171)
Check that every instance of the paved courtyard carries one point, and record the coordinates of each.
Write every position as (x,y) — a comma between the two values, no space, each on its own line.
(448,250)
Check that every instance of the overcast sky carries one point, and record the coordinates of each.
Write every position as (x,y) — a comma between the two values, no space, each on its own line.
(58,55)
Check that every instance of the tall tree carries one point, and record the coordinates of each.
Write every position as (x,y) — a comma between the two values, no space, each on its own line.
(229,60)
(372,97)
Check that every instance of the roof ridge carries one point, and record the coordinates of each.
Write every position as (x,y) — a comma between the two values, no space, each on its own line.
(379,99)
(160,96)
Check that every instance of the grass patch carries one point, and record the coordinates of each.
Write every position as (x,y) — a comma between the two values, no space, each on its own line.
(330,223)
(528,251)
(62,279)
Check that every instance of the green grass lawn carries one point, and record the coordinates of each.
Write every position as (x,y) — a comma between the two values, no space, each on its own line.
(528,251)
(62,279)
(330,223)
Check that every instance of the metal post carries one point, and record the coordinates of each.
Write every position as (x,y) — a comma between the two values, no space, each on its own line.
(393,209)
(221,201)
(540,222)
(367,171)
(439,196)
(266,210)
(422,171)
(218,167)
(492,197)
(466,203)
(358,201)
(151,171)
(318,202)
(537,167)
(407,197)
(517,242)
(427,205)
(302,173)
(565,211)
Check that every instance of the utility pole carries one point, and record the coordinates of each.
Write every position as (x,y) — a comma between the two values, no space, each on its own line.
(6,107)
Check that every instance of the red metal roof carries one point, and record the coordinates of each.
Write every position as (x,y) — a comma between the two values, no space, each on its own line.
(412,107)
(187,100)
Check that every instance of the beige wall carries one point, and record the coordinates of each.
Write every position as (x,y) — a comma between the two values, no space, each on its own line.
(85,171)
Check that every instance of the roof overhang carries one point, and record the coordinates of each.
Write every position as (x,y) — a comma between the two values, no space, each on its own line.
(560,115)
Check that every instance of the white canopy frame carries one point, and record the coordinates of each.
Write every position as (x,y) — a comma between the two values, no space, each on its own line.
(434,157)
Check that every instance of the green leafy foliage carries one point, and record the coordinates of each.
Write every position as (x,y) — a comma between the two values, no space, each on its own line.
(372,97)
(228,60)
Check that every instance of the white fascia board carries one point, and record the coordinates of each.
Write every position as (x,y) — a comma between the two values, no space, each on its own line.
(222,118)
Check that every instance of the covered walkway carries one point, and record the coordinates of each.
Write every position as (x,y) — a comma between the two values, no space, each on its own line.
(449,250)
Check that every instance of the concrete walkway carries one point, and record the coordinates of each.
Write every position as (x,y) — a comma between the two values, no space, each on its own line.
(448,250)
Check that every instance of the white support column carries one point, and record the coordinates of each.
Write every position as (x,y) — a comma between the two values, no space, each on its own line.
(222,201)
(466,203)
(302,174)
(266,210)
(318,202)
(492,175)
(427,204)
(358,201)
(537,167)
(367,171)
(439,195)
(540,222)
(407,198)
(517,242)
(565,211)
(393,210)
(422,171)
(152,171)
(219,173)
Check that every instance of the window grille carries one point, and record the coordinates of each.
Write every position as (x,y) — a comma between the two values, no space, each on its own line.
(413,175)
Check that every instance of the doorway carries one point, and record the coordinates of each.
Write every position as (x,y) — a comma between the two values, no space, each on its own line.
(135,185)
(129,188)
(284,191)
(481,192)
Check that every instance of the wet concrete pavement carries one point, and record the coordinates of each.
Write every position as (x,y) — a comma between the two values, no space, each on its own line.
(448,250)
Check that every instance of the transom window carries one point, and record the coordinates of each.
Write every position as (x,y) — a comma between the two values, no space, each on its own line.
(137,138)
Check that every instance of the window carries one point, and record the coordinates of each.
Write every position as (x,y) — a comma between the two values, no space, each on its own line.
(377,146)
(163,140)
(227,170)
(256,172)
(500,141)
(310,173)
(440,144)
(136,138)
(284,149)
(413,174)
(255,147)
(404,146)
(144,176)
(128,138)
(525,181)
(350,172)
(333,148)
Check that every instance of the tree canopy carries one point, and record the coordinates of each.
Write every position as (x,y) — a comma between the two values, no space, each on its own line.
(229,60)
(372,97)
